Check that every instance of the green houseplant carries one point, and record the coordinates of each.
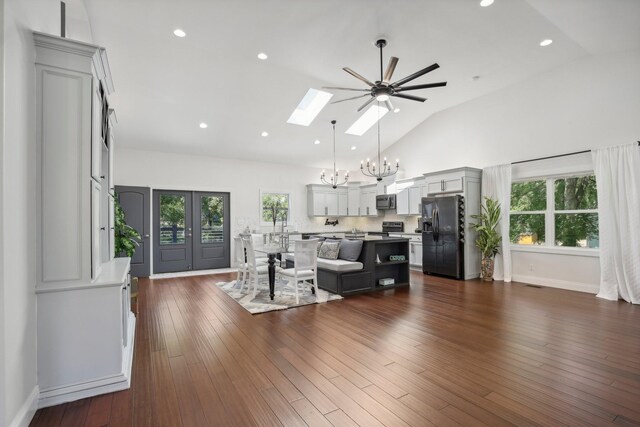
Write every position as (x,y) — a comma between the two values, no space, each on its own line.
(488,240)
(125,235)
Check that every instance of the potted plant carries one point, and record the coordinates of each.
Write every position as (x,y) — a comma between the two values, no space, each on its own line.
(488,240)
(125,235)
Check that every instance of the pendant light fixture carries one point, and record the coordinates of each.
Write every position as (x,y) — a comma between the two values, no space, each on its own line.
(333,181)
(384,167)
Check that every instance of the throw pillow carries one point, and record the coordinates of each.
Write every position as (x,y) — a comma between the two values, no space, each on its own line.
(329,250)
(350,249)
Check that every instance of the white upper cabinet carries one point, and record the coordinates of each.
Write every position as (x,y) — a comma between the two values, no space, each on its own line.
(343,202)
(444,183)
(402,202)
(415,199)
(368,200)
(322,200)
(353,200)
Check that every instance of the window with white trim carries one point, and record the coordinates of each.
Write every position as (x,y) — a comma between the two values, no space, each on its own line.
(275,204)
(555,212)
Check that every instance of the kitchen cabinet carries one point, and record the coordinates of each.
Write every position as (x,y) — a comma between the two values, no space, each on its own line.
(409,199)
(402,202)
(343,201)
(322,200)
(353,201)
(439,183)
(85,327)
(368,200)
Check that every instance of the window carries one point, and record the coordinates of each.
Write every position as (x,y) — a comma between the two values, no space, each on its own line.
(275,204)
(560,212)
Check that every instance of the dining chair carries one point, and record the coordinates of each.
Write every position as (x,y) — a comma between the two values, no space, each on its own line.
(258,243)
(240,260)
(255,270)
(305,266)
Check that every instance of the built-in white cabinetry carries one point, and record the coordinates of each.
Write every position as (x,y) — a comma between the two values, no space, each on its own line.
(444,183)
(368,200)
(343,201)
(322,200)
(353,201)
(409,199)
(85,326)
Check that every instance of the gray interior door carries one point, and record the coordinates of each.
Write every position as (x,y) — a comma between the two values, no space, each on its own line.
(136,204)
(211,230)
(172,224)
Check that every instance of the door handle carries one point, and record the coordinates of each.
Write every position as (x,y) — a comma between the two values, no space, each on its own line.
(146,236)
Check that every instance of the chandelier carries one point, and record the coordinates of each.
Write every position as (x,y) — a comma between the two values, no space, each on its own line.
(384,167)
(333,181)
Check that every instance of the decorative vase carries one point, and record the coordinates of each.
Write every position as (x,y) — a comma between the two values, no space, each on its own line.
(486,269)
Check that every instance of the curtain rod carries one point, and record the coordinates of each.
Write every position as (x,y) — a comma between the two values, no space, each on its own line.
(553,157)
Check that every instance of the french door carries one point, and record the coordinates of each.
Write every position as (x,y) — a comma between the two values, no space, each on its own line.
(191,231)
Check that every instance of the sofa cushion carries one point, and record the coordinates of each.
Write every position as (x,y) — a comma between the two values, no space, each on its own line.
(329,250)
(339,265)
(350,249)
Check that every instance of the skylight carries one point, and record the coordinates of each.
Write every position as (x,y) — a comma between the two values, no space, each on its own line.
(307,110)
(368,119)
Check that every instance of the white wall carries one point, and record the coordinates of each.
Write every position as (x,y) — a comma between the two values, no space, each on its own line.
(591,102)
(18,200)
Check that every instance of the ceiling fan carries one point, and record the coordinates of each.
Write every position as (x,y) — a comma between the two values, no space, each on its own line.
(382,89)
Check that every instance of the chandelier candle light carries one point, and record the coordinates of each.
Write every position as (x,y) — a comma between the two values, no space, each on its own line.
(384,168)
(333,182)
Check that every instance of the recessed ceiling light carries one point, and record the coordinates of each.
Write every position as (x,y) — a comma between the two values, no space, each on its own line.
(265,133)
(179,33)
(546,42)
(203,125)
(262,56)
(397,110)
(485,3)
(309,107)
(317,141)
(353,147)
(368,119)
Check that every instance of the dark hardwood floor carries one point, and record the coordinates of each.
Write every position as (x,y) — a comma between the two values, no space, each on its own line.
(441,352)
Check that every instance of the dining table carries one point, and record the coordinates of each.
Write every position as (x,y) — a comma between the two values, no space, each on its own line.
(272,251)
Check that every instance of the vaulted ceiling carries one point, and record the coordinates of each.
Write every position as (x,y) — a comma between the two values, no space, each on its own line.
(166,86)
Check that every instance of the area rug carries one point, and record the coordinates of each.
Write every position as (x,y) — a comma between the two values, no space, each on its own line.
(262,303)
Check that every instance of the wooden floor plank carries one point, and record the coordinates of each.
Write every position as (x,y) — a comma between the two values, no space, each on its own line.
(441,352)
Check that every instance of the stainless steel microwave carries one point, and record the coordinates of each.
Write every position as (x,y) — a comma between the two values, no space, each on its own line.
(386,201)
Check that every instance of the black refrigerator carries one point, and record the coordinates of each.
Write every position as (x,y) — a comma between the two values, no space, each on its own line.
(443,236)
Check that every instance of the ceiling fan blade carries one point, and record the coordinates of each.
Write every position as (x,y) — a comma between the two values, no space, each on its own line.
(365,104)
(415,75)
(389,105)
(346,88)
(411,97)
(425,86)
(393,61)
(357,76)
(349,99)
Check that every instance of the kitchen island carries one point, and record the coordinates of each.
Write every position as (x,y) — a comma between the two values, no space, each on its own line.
(377,260)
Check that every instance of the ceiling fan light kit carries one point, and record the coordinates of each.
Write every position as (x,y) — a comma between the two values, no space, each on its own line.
(334,179)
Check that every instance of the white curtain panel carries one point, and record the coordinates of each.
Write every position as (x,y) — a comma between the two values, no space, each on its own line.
(617,172)
(496,184)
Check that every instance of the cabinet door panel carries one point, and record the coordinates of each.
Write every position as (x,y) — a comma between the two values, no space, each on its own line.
(95,230)
(453,184)
(434,187)
(96,130)
(354,201)
(331,199)
(415,199)
(319,204)
(402,202)
(343,203)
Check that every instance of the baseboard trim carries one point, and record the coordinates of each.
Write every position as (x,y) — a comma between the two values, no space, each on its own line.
(556,283)
(27,410)
(110,384)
